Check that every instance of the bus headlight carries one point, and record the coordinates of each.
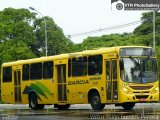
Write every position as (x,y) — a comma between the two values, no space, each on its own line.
(155,90)
(126,90)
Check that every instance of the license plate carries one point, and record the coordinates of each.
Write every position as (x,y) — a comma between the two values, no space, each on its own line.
(142,100)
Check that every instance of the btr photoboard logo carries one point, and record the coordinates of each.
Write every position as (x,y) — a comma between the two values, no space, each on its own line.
(117,5)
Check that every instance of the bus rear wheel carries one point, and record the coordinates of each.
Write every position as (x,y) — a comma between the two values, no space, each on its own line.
(62,107)
(128,106)
(33,103)
(95,101)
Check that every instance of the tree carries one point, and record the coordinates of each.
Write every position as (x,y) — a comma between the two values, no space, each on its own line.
(112,40)
(57,42)
(22,36)
(14,50)
(15,24)
(16,34)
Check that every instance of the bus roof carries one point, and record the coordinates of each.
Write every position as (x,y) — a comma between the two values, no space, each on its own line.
(71,55)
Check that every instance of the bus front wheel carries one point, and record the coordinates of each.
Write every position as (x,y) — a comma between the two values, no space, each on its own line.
(95,101)
(128,106)
(33,102)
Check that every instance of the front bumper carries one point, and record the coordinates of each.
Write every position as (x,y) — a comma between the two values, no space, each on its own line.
(123,97)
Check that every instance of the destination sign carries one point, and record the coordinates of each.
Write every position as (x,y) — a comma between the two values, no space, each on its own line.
(136,52)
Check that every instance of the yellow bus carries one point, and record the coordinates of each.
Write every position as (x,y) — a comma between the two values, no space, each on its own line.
(122,75)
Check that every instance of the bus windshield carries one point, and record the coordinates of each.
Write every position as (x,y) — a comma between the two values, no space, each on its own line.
(138,70)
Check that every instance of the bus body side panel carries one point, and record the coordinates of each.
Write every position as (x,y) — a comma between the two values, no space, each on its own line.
(48,92)
(7,90)
(24,95)
(77,89)
(43,88)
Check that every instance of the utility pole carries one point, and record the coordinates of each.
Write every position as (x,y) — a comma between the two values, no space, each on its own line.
(45,28)
(154,44)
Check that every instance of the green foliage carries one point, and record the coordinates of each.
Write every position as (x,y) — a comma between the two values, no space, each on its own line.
(147,24)
(112,40)
(14,50)
(15,25)
(16,34)
(158,58)
(22,36)
(57,42)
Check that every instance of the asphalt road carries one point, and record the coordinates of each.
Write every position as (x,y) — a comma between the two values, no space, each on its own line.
(150,111)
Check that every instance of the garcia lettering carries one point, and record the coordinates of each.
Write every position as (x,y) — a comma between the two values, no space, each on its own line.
(78,82)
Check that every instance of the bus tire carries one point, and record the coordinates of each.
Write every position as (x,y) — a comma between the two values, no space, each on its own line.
(62,107)
(33,103)
(128,106)
(40,106)
(95,101)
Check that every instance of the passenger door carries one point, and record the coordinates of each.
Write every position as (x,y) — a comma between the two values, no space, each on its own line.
(61,79)
(111,80)
(17,86)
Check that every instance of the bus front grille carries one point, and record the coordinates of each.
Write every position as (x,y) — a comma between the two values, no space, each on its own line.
(141,87)
(141,96)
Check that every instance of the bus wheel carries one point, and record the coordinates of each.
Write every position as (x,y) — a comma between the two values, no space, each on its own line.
(34,104)
(62,107)
(40,106)
(128,106)
(95,101)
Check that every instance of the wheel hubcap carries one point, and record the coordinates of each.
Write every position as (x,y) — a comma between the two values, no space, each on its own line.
(32,103)
(96,100)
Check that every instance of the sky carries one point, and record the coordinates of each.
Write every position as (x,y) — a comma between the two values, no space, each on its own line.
(78,16)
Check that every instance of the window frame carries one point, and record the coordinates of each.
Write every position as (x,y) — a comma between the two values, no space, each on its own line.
(99,69)
(76,64)
(23,72)
(51,70)
(33,74)
(9,79)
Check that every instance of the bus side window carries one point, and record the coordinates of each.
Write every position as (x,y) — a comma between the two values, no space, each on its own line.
(25,74)
(79,66)
(95,65)
(7,74)
(48,70)
(36,71)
